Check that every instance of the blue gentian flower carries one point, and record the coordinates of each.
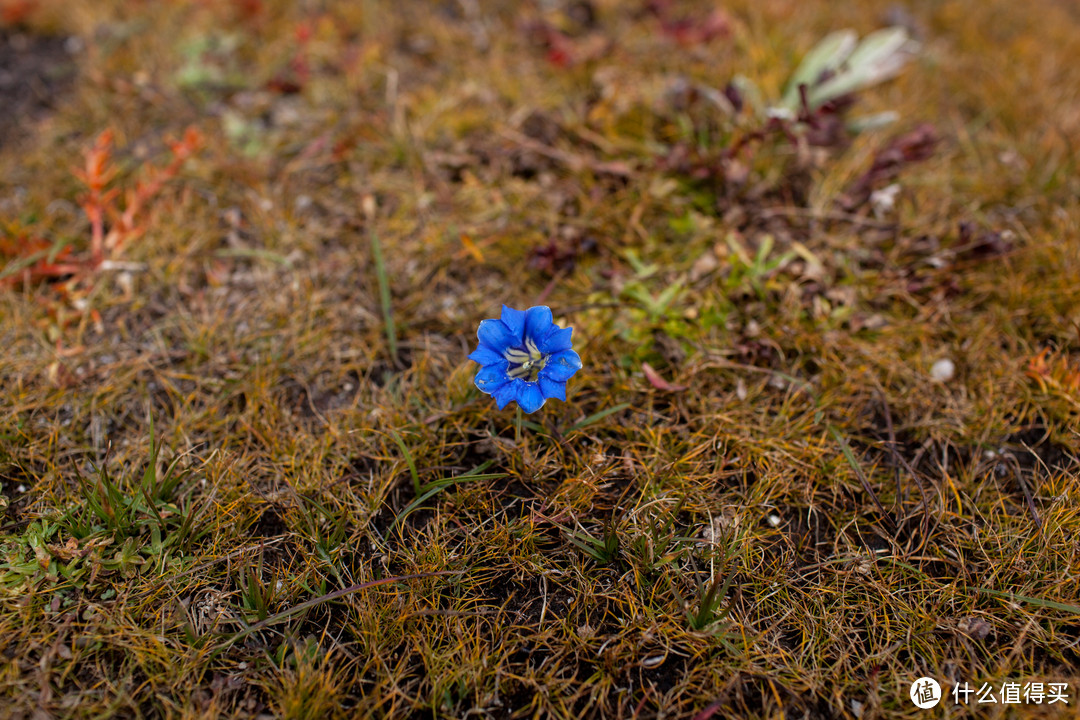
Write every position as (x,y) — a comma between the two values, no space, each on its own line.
(524,357)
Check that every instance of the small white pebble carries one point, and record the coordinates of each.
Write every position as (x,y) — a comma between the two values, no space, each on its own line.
(774,520)
(21,488)
(943,370)
(884,200)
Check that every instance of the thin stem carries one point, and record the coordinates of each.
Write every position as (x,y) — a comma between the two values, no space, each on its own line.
(517,426)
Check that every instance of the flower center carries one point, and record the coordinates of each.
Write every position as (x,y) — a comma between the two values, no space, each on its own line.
(525,363)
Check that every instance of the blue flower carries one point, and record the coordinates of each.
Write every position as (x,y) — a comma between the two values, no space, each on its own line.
(524,357)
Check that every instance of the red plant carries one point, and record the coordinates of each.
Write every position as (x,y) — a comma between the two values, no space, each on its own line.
(97,174)
(112,224)
(40,264)
(298,73)
(100,204)
(16,12)
(560,49)
(690,30)
(248,9)
(1053,373)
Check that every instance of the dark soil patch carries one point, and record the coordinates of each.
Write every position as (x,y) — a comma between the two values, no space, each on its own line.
(34,72)
(269,525)
(520,599)
(515,701)
(518,500)
(1016,459)
(1036,454)
(750,693)
(810,537)
(15,481)
(665,676)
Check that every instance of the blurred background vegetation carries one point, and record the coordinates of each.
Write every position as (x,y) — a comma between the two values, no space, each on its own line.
(824,441)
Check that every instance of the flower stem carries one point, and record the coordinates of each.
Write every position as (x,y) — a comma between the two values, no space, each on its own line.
(517,426)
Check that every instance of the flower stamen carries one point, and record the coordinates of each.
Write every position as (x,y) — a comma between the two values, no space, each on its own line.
(525,363)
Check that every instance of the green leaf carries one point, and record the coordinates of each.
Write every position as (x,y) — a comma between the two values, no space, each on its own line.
(1051,604)
(879,57)
(435,487)
(832,50)
(596,417)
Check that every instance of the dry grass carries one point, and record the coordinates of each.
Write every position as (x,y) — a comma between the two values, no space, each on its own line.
(211,446)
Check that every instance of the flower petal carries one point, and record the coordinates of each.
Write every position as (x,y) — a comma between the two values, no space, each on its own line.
(530,398)
(515,320)
(496,335)
(552,388)
(492,377)
(538,323)
(507,392)
(561,366)
(556,340)
(485,356)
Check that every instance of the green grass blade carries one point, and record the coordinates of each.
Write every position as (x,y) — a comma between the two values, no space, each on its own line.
(296,609)
(434,488)
(446,482)
(254,254)
(408,459)
(596,417)
(384,295)
(850,457)
(1038,602)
